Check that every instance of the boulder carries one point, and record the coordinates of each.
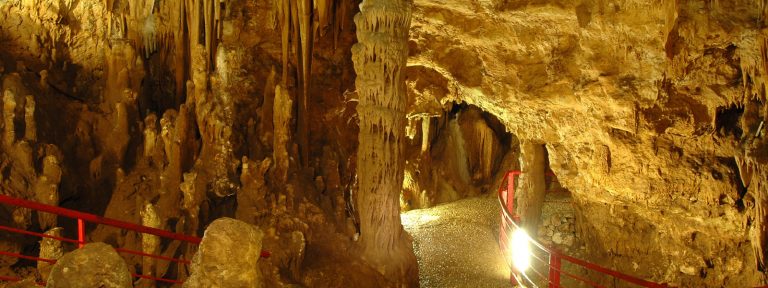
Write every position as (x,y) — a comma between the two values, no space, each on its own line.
(94,265)
(228,256)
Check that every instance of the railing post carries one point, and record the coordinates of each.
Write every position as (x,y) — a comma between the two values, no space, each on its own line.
(80,233)
(554,269)
(513,278)
(511,193)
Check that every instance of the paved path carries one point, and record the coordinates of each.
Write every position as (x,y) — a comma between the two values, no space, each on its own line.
(456,246)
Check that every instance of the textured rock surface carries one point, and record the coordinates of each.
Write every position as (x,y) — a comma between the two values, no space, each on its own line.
(643,107)
(228,256)
(93,265)
(650,113)
(380,56)
(49,249)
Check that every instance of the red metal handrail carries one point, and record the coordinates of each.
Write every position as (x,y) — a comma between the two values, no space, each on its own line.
(96,219)
(81,219)
(510,221)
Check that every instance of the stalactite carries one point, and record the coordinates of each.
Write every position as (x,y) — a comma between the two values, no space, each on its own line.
(180,48)
(745,170)
(299,27)
(306,33)
(379,58)
(208,30)
(323,13)
(285,26)
(486,150)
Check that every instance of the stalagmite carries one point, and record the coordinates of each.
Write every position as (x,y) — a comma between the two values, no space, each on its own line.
(532,186)
(282,121)
(758,232)
(30,127)
(298,244)
(9,108)
(49,249)
(118,143)
(150,134)
(150,244)
(251,198)
(191,199)
(379,58)
(166,134)
(425,121)
(43,80)
(47,189)
(176,146)
(267,108)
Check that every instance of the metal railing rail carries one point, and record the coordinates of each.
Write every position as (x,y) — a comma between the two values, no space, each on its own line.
(547,256)
(82,218)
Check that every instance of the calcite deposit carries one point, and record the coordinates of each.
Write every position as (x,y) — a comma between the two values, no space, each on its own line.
(318,121)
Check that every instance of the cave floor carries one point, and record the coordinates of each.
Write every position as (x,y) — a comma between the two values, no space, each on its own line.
(456,244)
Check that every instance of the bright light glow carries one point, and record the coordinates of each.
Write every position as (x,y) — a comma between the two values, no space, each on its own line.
(416,218)
(520,245)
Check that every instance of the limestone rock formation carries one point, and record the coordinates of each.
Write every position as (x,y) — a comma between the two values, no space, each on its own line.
(651,113)
(46,189)
(49,249)
(282,120)
(228,256)
(253,195)
(530,199)
(93,265)
(642,108)
(150,244)
(380,56)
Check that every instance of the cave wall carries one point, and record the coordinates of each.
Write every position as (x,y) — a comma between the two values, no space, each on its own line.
(174,113)
(168,113)
(645,107)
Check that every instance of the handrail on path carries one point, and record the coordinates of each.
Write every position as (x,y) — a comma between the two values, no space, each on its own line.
(82,218)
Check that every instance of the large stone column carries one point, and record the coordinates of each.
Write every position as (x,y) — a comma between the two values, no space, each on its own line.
(530,194)
(380,58)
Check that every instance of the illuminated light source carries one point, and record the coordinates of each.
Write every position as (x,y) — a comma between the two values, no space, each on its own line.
(520,245)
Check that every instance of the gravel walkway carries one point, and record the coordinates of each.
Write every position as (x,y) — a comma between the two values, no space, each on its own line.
(456,244)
